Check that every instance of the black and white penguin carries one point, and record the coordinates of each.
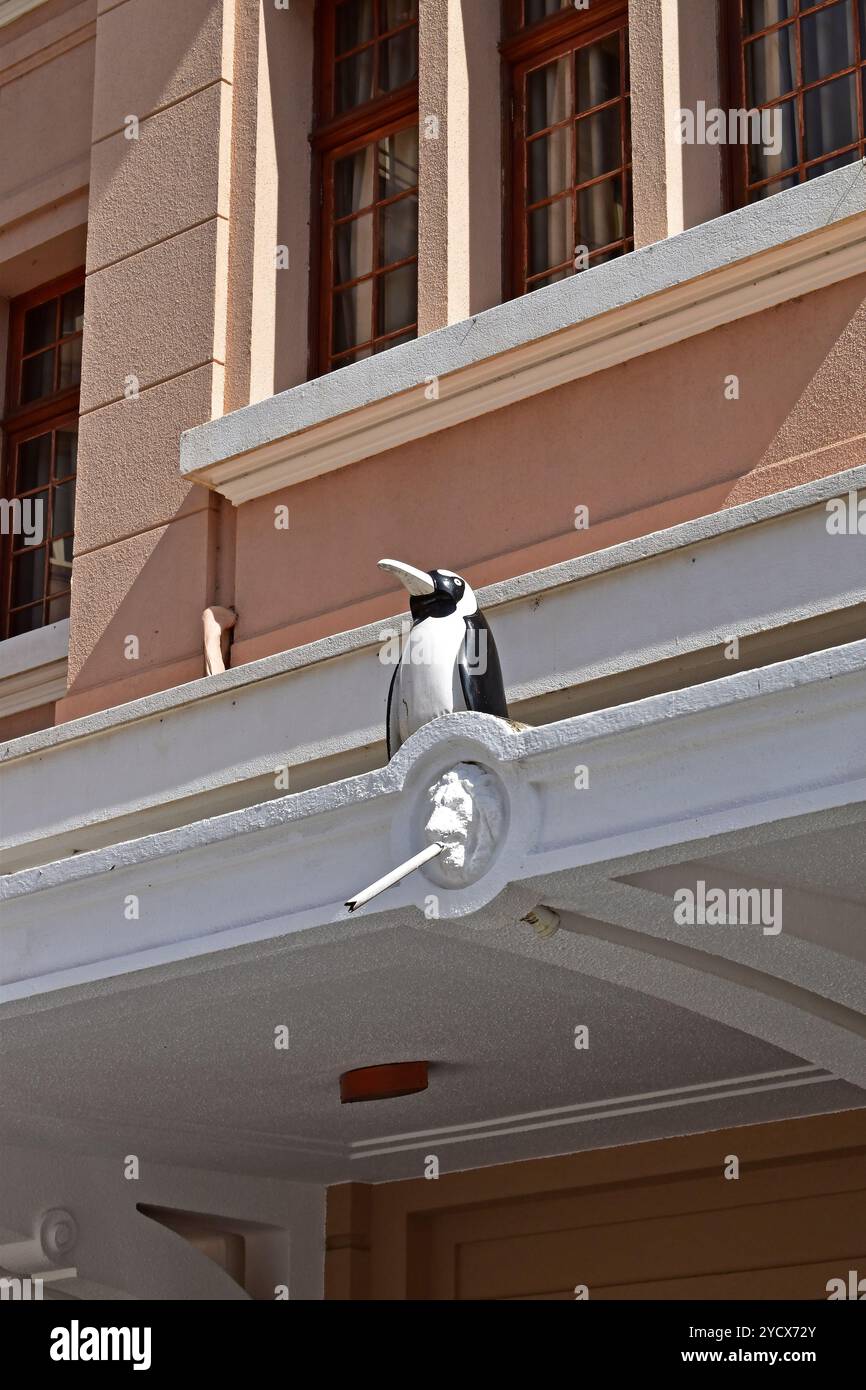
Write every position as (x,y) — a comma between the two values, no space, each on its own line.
(449,660)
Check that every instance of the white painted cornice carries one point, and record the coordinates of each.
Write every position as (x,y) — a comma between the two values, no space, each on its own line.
(33,668)
(201,749)
(663,775)
(799,241)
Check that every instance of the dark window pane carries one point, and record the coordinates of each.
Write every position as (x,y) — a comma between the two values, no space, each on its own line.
(398,299)
(28,576)
(760,14)
(354,24)
(598,76)
(600,214)
(398,162)
(63,515)
(353,182)
(396,342)
(398,60)
(827,38)
(37,377)
(25,621)
(548,95)
(398,229)
(535,10)
(831,116)
(549,164)
(353,316)
(757,194)
(33,520)
(353,249)
(393,13)
(354,80)
(350,357)
(552,279)
(60,565)
(58,609)
(601,256)
(828,165)
(771,66)
(551,236)
(785,136)
(40,326)
(34,463)
(72,312)
(599,144)
(65,453)
(70,363)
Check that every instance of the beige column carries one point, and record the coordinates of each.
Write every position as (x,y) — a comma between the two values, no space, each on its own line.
(269,267)
(460,212)
(148,545)
(676,60)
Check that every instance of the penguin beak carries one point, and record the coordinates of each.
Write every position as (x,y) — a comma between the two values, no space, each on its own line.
(415,581)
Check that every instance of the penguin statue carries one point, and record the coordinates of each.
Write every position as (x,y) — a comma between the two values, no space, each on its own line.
(449,661)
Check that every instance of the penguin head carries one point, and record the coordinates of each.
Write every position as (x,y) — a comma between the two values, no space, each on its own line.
(433,593)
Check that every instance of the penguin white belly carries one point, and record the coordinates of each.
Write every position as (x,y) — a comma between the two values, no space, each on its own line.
(429,679)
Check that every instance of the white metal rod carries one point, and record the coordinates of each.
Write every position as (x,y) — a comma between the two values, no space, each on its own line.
(393,877)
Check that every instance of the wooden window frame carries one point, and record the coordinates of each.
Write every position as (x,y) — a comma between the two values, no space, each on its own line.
(333,136)
(735,43)
(22,422)
(521,50)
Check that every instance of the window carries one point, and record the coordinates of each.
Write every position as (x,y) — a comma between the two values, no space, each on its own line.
(40,449)
(366,147)
(804,64)
(571,145)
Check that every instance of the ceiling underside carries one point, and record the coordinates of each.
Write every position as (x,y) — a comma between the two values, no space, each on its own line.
(181,1065)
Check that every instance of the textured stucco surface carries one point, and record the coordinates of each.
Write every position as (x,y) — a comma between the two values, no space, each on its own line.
(647,53)
(45,119)
(152,586)
(142,488)
(156,52)
(170,178)
(154,315)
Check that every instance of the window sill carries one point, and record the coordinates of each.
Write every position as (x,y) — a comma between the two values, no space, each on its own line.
(796,242)
(33,668)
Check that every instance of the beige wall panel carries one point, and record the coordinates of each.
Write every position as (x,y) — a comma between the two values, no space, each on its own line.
(167,180)
(129,479)
(45,120)
(152,586)
(156,314)
(153,53)
(680,449)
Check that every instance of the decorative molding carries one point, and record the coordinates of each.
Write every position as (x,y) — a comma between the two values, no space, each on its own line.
(800,241)
(670,784)
(586,1112)
(33,668)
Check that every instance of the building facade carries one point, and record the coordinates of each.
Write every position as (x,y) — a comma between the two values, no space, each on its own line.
(567,298)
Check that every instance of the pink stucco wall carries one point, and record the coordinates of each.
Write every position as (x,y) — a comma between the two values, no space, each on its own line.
(643,446)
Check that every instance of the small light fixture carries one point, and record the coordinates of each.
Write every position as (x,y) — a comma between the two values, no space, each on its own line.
(383,1082)
(543,920)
